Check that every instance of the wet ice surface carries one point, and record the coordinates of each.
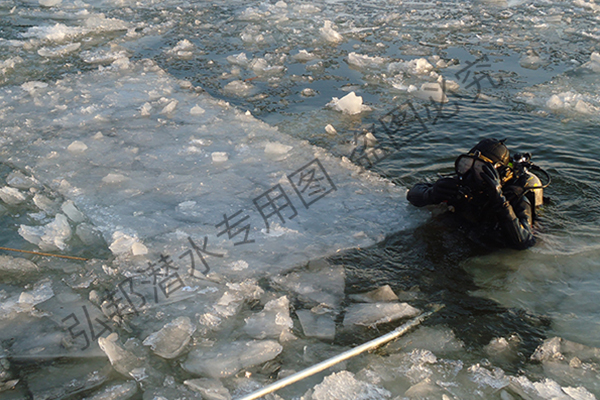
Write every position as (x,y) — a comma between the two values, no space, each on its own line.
(112,150)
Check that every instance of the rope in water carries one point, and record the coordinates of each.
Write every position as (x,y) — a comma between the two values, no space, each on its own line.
(44,254)
(298,376)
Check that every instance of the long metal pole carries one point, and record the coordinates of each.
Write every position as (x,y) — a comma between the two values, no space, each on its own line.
(298,376)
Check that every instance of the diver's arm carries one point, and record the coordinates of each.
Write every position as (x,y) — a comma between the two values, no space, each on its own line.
(423,194)
(517,222)
(420,195)
(516,219)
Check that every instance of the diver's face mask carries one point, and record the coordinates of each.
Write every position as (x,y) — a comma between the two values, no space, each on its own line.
(470,166)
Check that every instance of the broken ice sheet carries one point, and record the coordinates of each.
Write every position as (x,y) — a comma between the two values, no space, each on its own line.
(273,321)
(344,386)
(371,314)
(210,389)
(318,283)
(320,326)
(171,340)
(227,358)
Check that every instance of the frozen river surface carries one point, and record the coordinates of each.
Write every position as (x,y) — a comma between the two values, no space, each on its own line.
(234,174)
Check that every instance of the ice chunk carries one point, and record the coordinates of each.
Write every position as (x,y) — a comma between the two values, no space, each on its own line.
(238,59)
(344,386)
(330,34)
(438,339)
(113,178)
(426,389)
(59,51)
(531,60)
(330,129)
(554,103)
(119,391)
(349,104)
(183,49)
(48,237)
(272,322)
(320,283)
(384,293)
(232,299)
(211,389)
(277,149)
(432,91)
(171,340)
(308,92)
(364,61)
(49,3)
(170,107)
(68,207)
(320,326)
(377,313)
(197,110)
(239,88)
(19,265)
(494,378)
(123,243)
(304,56)
(594,63)
(77,147)
(123,361)
(12,196)
(219,156)
(138,249)
(228,358)
(418,66)
(19,180)
(89,235)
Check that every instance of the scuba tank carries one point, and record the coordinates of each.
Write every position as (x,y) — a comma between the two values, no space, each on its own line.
(534,189)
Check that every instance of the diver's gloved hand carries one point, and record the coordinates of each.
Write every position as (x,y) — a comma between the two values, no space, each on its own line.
(445,189)
(493,184)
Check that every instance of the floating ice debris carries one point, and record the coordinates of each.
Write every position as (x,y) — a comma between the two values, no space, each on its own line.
(89,235)
(219,156)
(49,3)
(432,91)
(238,59)
(304,56)
(377,313)
(344,386)
(546,389)
(235,296)
(183,49)
(77,147)
(437,339)
(419,66)
(594,63)
(554,103)
(68,207)
(123,243)
(113,178)
(210,389)
(197,110)
(171,340)
(330,34)
(59,51)
(381,294)
(119,391)
(308,92)
(170,107)
(123,361)
(32,86)
(19,265)
(19,180)
(52,236)
(12,196)
(320,326)
(557,348)
(531,61)
(277,149)
(239,88)
(272,322)
(320,283)
(138,249)
(364,61)
(349,104)
(226,359)
(330,129)
(494,378)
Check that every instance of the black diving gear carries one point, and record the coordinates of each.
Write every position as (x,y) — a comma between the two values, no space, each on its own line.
(493,196)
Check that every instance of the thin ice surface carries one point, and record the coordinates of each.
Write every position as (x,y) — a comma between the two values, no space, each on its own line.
(147,174)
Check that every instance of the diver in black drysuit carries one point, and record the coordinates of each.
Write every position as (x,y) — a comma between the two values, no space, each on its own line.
(494,203)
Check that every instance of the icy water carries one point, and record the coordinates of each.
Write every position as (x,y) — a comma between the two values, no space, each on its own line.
(133,131)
